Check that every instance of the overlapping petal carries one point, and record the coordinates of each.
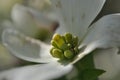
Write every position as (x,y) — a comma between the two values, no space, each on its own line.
(103,34)
(36,72)
(30,21)
(25,47)
(76,15)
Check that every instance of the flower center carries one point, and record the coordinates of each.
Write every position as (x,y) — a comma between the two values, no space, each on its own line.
(64,47)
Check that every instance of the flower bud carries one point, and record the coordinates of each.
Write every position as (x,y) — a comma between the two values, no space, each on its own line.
(75,41)
(69,46)
(65,47)
(51,50)
(58,40)
(54,44)
(68,54)
(76,50)
(57,53)
(68,37)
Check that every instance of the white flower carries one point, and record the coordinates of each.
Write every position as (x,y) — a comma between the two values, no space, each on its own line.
(76,18)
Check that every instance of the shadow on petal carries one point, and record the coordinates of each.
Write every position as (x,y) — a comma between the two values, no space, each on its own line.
(25,47)
(36,72)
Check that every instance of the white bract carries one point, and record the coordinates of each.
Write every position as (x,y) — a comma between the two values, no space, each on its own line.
(75,16)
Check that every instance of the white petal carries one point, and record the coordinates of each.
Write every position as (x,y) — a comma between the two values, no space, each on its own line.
(6,24)
(55,16)
(36,72)
(103,34)
(78,14)
(30,21)
(26,48)
(108,60)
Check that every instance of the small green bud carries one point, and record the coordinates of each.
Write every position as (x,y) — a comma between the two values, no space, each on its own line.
(57,53)
(68,37)
(64,47)
(54,43)
(56,37)
(58,40)
(68,54)
(76,50)
(63,38)
(75,41)
(69,46)
(51,50)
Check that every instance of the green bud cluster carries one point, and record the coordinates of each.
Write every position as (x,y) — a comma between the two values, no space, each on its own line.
(64,47)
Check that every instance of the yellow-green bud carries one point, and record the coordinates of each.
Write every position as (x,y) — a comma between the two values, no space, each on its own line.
(68,37)
(65,47)
(63,38)
(54,43)
(51,50)
(76,50)
(57,53)
(68,54)
(75,41)
(58,40)
(69,45)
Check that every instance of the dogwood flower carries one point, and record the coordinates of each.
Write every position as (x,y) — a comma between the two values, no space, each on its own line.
(76,18)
